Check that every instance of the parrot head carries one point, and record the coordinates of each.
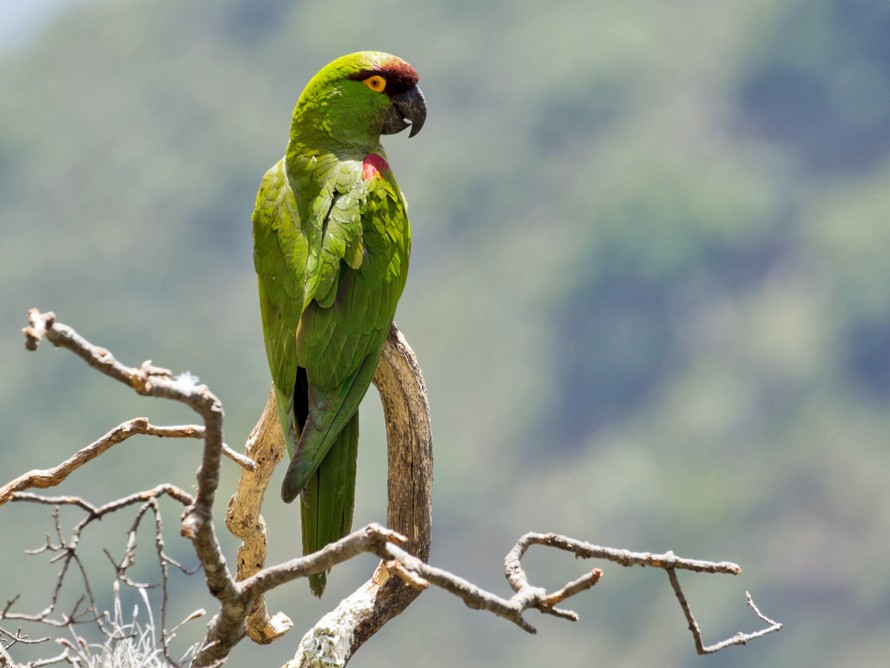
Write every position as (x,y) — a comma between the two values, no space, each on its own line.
(355,99)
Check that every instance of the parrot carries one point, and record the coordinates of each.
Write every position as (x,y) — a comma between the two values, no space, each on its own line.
(331,248)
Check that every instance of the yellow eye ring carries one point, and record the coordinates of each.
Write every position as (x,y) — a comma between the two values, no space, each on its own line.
(375,82)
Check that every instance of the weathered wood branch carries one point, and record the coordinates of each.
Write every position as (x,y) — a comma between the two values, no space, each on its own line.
(265,446)
(409,510)
(45,478)
(403,547)
(341,632)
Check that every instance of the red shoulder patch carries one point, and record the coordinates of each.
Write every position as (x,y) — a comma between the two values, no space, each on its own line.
(372,165)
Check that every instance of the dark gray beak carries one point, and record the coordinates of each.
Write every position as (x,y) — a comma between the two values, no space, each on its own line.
(408,109)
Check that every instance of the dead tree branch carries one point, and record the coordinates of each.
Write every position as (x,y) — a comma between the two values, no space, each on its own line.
(265,446)
(387,593)
(197,525)
(403,548)
(44,478)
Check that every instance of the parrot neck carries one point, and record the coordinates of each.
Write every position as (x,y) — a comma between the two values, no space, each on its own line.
(319,128)
(320,142)
(311,170)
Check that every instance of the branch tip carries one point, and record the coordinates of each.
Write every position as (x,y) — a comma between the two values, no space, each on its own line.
(408,577)
(404,550)
(38,324)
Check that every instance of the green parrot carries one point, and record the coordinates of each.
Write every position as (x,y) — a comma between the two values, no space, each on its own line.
(331,246)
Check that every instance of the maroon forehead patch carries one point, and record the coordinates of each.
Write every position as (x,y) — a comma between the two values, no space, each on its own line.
(399,75)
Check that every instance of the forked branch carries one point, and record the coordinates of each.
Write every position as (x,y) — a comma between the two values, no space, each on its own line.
(403,547)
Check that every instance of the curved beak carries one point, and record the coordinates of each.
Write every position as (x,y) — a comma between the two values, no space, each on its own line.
(408,109)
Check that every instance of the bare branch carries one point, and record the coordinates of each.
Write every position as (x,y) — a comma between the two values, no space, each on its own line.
(372,538)
(473,596)
(667,561)
(65,548)
(625,558)
(96,512)
(17,638)
(406,410)
(265,446)
(403,548)
(402,391)
(241,460)
(738,639)
(150,380)
(44,478)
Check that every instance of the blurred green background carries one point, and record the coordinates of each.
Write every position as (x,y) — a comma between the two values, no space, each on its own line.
(649,291)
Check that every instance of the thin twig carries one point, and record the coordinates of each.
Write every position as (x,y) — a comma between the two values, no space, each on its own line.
(403,572)
(150,380)
(44,478)
(738,639)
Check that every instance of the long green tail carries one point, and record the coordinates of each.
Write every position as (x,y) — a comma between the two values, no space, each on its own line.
(327,501)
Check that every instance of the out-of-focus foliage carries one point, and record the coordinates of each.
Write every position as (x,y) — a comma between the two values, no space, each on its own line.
(649,292)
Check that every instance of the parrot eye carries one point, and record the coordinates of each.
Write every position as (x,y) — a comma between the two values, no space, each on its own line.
(375,82)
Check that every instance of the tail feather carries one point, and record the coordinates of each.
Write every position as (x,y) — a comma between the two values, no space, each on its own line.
(322,415)
(328,499)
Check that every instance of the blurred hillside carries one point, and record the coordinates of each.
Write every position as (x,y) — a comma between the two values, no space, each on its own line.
(649,293)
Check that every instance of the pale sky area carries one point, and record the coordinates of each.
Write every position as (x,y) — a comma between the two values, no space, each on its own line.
(20,19)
